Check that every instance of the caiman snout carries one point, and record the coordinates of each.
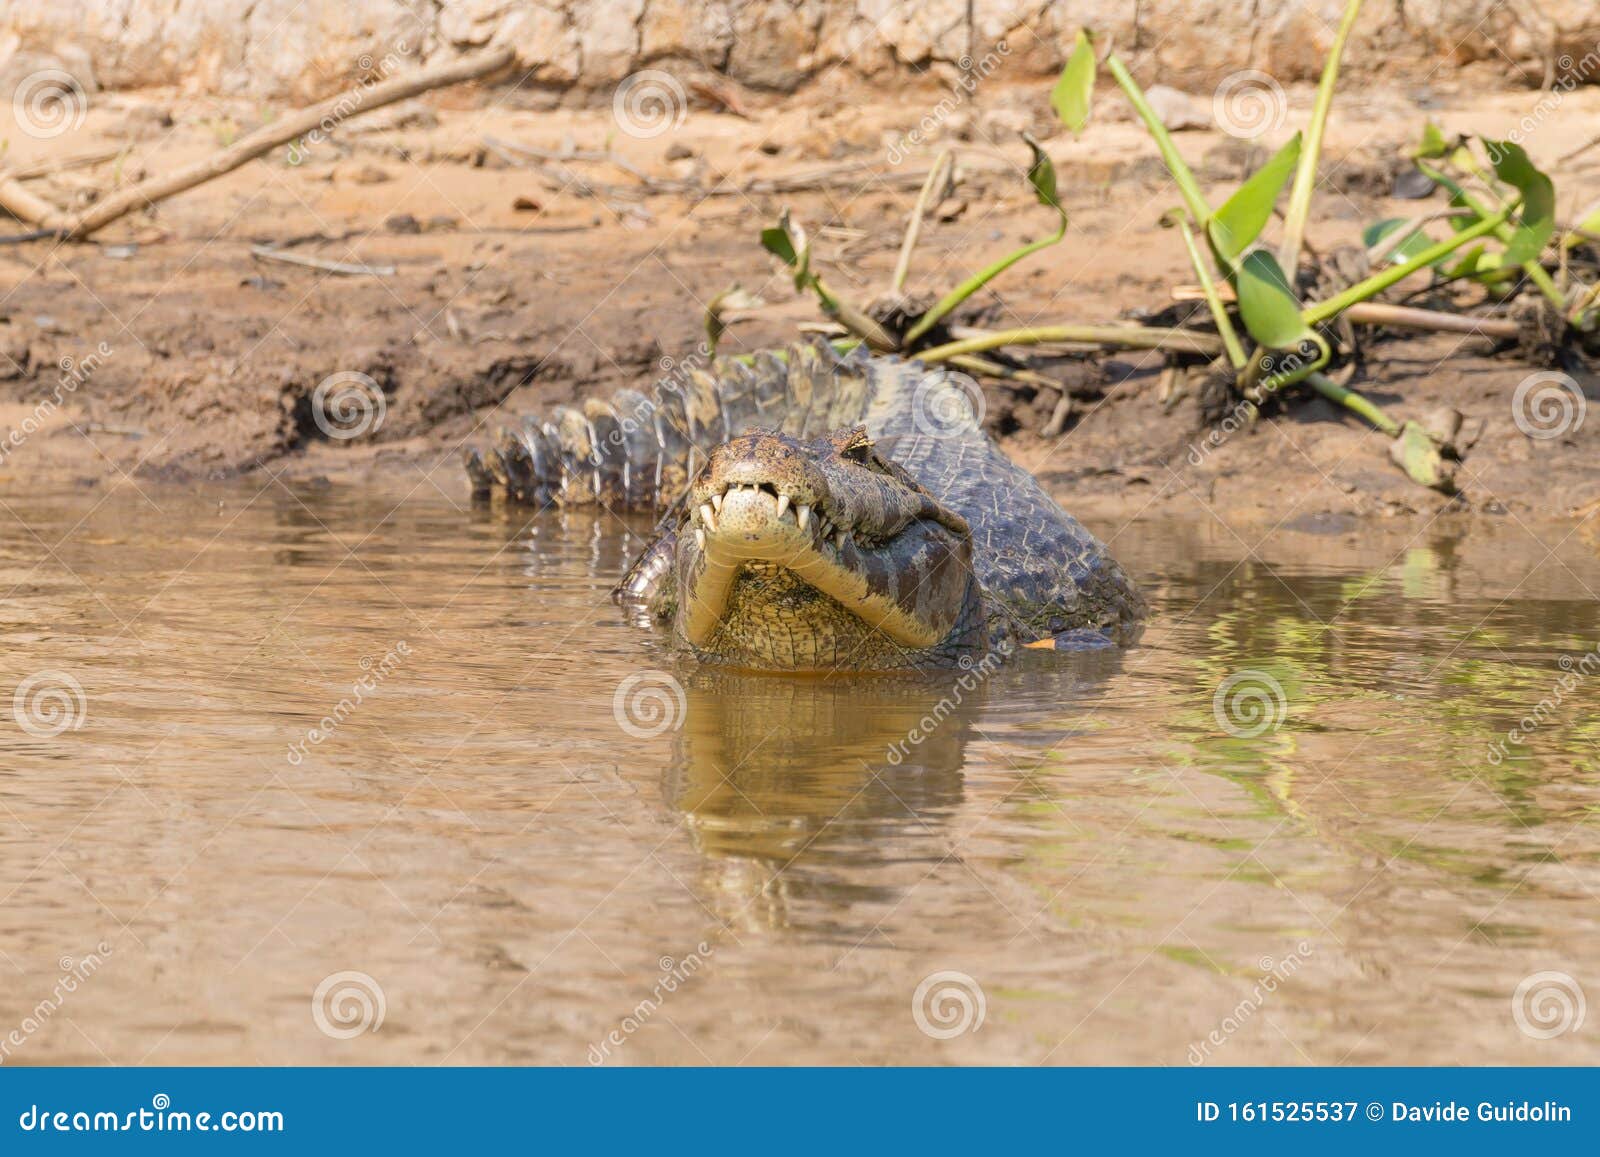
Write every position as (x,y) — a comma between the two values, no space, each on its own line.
(821,545)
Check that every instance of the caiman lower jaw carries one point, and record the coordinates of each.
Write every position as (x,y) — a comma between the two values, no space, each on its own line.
(910,588)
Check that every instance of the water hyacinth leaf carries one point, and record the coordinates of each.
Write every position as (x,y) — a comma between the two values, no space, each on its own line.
(1235,226)
(787,242)
(1481,265)
(776,242)
(1266,303)
(1537,219)
(1432,144)
(1074,91)
(1417,242)
(1042,175)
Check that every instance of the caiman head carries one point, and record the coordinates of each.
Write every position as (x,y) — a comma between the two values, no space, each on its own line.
(818,556)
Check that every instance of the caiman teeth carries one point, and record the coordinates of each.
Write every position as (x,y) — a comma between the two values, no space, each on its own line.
(841,538)
(707,517)
(802,514)
(699,538)
(716,503)
(783,504)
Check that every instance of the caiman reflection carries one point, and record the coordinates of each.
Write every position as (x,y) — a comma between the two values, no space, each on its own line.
(799,793)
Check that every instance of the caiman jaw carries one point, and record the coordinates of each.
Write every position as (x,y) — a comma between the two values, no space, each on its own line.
(770,512)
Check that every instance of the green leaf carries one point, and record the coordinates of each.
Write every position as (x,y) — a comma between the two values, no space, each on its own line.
(1266,303)
(776,242)
(1074,91)
(1235,226)
(1433,143)
(1585,231)
(1537,218)
(1042,175)
(789,244)
(1416,242)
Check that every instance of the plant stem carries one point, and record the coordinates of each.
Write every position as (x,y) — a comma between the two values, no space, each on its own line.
(1323,311)
(976,365)
(1503,232)
(914,225)
(853,319)
(1219,312)
(1129,336)
(1305,176)
(1187,185)
(977,281)
(1353,402)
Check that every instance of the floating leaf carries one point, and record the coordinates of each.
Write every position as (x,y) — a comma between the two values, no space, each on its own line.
(1235,226)
(1266,303)
(1537,218)
(1415,243)
(1074,91)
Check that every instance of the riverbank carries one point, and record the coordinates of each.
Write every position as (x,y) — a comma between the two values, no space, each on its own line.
(494,281)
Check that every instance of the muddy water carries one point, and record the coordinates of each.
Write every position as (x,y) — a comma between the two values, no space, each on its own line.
(348,778)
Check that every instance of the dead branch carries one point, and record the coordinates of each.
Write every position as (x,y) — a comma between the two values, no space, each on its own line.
(345,268)
(361,99)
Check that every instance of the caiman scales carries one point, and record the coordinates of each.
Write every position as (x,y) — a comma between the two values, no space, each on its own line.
(824,513)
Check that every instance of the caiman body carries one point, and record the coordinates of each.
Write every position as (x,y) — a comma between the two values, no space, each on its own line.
(825,513)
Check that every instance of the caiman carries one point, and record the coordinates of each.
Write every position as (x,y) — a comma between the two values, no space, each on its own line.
(825,512)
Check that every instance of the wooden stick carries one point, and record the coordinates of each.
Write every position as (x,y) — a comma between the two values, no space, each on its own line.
(1399,316)
(351,103)
(347,268)
(63,164)
(26,205)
